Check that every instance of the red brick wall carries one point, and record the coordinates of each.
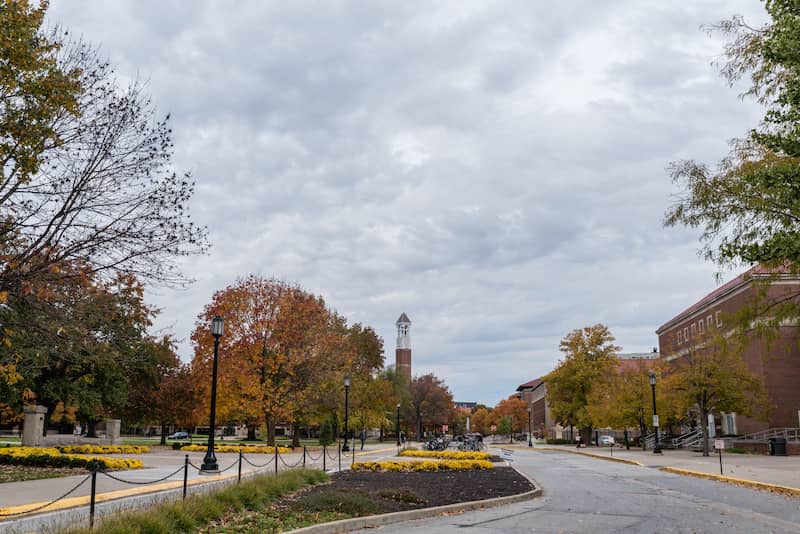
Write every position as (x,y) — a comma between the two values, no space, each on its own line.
(776,362)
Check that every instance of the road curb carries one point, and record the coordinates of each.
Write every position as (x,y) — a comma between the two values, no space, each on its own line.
(592,455)
(785,490)
(372,521)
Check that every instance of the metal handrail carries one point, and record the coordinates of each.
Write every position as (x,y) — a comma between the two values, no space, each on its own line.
(790,434)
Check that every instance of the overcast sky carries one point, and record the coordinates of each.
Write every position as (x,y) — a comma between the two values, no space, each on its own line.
(496,170)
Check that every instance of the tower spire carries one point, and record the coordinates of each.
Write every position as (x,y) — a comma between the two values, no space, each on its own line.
(403,351)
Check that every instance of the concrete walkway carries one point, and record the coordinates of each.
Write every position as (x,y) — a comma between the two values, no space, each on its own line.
(776,470)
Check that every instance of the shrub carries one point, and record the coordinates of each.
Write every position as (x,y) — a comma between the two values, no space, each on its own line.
(253,449)
(51,457)
(402,495)
(448,455)
(427,465)
(103,449)
(553,441)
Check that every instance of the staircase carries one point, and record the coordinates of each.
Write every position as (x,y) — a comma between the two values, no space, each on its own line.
(789,434)
(686,441)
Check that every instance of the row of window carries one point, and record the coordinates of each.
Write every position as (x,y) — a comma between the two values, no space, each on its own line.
(700,327)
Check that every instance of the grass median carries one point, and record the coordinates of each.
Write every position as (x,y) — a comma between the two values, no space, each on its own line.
(250,500)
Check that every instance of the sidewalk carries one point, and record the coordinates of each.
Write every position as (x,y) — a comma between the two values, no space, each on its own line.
(775,470)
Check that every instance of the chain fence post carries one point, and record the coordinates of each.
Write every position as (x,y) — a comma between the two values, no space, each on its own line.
(324,454)
(304,456)
(339,453)
(185,475)
(94,493)
(276,457)
(240,465)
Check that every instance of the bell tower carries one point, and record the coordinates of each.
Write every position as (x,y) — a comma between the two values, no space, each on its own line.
(403,351)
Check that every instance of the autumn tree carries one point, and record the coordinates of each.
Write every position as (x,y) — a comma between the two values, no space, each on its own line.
(715,377)
(431,402)
(515,411)
(86,166)
(623,399)
(482,420)
(589,356)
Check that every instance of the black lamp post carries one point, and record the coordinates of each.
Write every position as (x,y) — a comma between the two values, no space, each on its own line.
(210,461)
(345,447)
(657,446)
(397,424)
(530,434)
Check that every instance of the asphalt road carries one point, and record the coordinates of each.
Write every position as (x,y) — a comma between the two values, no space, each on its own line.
(590,495)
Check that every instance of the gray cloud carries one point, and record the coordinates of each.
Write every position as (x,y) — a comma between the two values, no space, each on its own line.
(494,170)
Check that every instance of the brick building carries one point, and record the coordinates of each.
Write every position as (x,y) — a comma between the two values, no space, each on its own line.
(778,362)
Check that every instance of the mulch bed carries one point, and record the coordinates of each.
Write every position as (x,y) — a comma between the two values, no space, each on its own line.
(394,492)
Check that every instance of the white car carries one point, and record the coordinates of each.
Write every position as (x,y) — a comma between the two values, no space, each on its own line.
(606,441)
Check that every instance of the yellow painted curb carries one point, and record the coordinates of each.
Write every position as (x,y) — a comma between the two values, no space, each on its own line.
(592,455)
(786,490)
(72,502)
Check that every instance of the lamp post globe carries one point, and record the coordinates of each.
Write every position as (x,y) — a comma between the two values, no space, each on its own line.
(210,465)
(346,447)
(652,380)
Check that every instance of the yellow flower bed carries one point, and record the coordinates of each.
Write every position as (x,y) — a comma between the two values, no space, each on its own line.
(254,449)
(51,457)
(103,449)
(425,465)
(447,455)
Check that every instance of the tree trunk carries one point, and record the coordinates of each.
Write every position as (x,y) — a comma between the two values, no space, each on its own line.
(270,431)
(380,438)
(295,434)
(163,433)
(251,432)
(91,428)
(704,422)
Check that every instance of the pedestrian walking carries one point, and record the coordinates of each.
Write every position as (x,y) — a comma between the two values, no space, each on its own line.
(363,438)
(578,441)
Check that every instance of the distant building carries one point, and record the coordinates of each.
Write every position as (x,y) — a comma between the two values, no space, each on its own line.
(778,362)
(465,407)
(402,353)
(534,393)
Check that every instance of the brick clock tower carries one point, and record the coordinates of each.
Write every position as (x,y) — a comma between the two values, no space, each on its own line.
(403,352)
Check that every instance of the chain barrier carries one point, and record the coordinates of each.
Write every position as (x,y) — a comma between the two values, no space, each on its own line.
(311,457)
(230,466)
(67,494)
(109,475)
(300,461)
(335,456)
(256,465)
(196,467)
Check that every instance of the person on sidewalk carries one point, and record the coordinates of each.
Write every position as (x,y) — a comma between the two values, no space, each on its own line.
(578,441)
(363,438)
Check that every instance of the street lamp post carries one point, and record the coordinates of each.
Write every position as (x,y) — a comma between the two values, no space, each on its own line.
(210,460)
(657,446)
(397,424)
(345,447)
(530,435)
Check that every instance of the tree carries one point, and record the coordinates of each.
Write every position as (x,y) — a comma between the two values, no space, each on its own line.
(624,398)
(515,410)
(430,399)
(482,419)
(715,377)
(590,356)
(748,206)
(86,168)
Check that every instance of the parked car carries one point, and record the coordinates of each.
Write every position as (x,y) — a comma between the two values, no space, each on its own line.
(606,441)
(179,435)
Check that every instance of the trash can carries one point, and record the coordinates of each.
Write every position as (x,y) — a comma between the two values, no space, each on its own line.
(777,446)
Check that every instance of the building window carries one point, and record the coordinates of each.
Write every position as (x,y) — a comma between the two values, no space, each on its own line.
(719,320)
(708,322)
(694,330)
(680,337)
(700,326)
(686,334)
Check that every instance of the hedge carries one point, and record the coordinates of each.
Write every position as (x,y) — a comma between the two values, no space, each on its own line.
(427,465)
(51,457)
(103,449)
(448,455)
(255,449)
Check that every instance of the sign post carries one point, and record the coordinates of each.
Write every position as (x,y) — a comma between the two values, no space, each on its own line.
(719,444)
